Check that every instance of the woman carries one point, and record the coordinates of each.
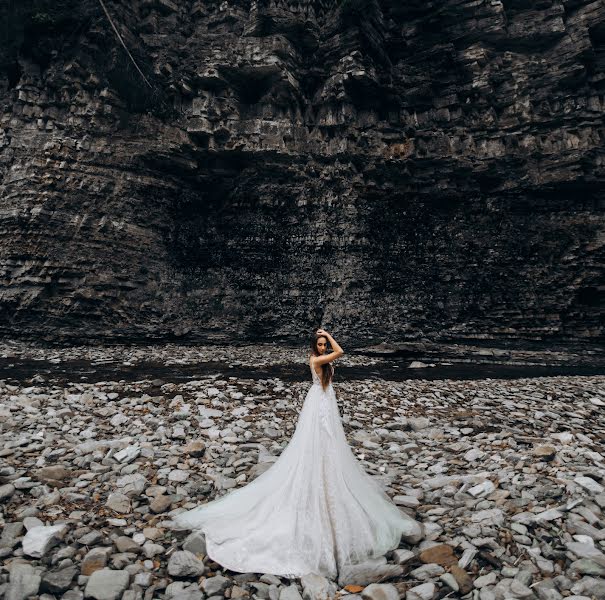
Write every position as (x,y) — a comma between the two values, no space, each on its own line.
(315,509)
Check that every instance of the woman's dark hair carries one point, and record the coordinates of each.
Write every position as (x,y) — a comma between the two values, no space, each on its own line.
(327,370)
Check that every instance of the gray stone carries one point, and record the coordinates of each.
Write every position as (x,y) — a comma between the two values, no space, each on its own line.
(160,504)
(215,585)
(39,540)
(57,582)
(425,591)
(418,423)
(131,485)
(127,455)
(426,572)
(547,590)
(488,579)
(195,542)
(589,484)
(6,491)
(185,564)
(260,590)
(107,584)
(589,586)
(24,582)
(119,503)
(413,533)
(10,533)
(126,544)
(316,587)
(91,538)
(401,556)
(289,592)
(450,581)
(587,566)
(520,590)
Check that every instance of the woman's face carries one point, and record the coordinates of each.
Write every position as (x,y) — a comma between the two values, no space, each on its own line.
(322,344)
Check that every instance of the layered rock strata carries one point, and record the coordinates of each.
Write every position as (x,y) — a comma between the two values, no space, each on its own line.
(386,169)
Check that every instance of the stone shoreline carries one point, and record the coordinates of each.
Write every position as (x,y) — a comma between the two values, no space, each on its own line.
(507,477)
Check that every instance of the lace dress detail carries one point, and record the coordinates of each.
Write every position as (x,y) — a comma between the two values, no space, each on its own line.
(314,510)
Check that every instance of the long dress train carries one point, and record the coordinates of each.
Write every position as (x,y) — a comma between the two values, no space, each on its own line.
(314,510)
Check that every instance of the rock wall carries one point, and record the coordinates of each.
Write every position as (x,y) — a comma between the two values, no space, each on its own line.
(384,168)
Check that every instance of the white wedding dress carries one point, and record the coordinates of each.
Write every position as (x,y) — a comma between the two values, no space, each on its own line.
(314,510)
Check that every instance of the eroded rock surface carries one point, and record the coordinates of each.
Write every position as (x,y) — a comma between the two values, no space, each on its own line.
(405,168)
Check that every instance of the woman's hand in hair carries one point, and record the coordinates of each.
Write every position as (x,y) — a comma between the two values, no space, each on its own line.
(337,351)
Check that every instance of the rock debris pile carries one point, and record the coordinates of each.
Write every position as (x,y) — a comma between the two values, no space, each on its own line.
(507,477)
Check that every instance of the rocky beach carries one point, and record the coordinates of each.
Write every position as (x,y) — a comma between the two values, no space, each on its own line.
(188,189)
(506,475)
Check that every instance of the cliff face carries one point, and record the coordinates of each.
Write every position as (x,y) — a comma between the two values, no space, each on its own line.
(401,169)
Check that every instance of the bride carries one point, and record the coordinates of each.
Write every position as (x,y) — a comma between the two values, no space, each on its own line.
(315,509)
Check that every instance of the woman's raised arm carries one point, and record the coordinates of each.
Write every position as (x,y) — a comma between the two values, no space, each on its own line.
(327,358)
